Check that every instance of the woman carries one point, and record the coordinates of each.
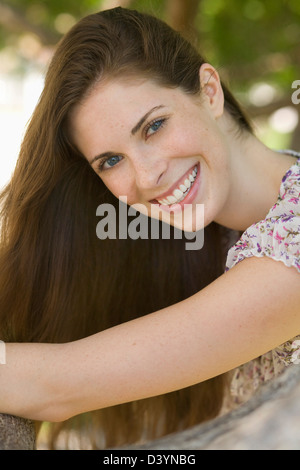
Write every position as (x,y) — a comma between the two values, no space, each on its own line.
(131,110)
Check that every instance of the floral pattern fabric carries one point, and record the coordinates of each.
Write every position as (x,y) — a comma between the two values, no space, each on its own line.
(278,237)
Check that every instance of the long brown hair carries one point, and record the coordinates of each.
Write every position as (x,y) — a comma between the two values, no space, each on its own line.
(58,281)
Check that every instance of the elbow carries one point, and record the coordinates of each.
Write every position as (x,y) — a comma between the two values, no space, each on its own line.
(54,413)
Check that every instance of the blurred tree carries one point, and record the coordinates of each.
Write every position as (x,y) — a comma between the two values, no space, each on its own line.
(251,41)
(181,14)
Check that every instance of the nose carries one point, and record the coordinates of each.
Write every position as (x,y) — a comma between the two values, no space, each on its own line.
(149,171)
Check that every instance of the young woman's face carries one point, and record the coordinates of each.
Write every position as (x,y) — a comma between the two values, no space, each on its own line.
(159,148)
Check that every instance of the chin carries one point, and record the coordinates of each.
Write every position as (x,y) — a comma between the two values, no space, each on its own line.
(191,219)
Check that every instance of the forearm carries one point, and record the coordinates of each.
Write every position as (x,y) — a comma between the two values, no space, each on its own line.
(52,382)
(27,380)
(206,335)
(132,361)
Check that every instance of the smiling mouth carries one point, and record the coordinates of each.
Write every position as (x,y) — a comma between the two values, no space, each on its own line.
(180,192)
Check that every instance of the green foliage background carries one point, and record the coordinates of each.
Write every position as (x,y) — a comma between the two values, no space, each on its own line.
(249,41)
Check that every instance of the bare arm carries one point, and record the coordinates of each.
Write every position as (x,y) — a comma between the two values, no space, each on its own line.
(243,314)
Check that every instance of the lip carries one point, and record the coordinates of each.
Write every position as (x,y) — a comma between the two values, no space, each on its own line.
(179,206)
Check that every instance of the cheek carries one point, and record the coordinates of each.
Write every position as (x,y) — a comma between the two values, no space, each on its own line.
(196,138)
(215,149)
(182,144)
(120,185)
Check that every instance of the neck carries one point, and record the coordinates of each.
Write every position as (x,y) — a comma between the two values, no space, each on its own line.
(256,175)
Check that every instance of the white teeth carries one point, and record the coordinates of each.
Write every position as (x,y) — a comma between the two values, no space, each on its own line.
(187,183)
(164,202)
(180,194)
(172,199)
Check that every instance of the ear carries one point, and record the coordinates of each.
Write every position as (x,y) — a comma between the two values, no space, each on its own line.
(211,88)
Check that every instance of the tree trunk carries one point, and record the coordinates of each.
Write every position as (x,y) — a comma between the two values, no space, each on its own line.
(108,4)
(181,14)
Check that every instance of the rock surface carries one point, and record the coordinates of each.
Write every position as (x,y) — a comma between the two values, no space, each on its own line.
(16,433)
(269,421)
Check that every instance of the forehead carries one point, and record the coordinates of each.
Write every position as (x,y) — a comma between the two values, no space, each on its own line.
(117,106)
(120,94)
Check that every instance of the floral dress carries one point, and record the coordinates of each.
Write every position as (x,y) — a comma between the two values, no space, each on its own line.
(278,237)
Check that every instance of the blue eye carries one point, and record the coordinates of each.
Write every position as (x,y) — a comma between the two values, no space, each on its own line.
(113,160)
(109,162)
(154,126)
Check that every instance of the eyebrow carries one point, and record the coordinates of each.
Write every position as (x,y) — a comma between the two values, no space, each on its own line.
(134,130)
(143,119)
